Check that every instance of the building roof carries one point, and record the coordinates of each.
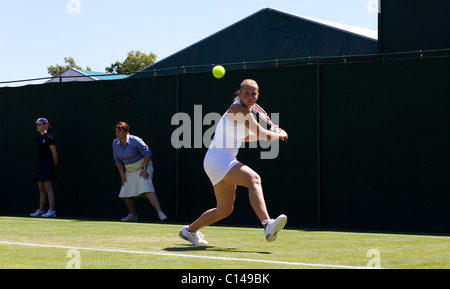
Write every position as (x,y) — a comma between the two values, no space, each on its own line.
(102,75)
(270,34)
(74,74)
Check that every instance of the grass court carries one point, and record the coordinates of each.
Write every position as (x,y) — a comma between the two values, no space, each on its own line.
(97,244)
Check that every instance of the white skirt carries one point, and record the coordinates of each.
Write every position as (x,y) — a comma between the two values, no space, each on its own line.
(136,186)
(217,164)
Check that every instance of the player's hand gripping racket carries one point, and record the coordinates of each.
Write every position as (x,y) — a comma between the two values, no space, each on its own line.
(258,110)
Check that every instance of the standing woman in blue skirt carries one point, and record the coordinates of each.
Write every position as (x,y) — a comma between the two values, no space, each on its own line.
(47,161)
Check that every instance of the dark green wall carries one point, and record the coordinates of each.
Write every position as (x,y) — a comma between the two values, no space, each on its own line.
(368,144)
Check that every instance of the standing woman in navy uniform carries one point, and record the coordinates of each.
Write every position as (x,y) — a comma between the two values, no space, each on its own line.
(47,161)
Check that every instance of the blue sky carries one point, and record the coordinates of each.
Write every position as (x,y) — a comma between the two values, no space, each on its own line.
(37,34)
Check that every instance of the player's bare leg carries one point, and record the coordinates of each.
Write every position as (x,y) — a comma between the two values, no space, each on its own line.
(225,196)
(243,175)
(225,192)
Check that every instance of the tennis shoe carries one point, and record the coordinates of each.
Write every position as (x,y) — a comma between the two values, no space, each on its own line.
(162,216)
(130,218)
(273,227)
(49,214)
(196,238)
(38,213)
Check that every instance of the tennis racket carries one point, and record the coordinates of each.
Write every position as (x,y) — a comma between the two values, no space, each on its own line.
(259,111)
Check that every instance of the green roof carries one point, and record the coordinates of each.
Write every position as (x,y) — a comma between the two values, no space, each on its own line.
(102,75)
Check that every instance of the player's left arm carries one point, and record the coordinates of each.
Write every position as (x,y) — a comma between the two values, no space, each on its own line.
(251,137)
(242,114)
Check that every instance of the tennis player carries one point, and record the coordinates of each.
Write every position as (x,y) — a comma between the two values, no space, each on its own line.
(237,125)
(133,160)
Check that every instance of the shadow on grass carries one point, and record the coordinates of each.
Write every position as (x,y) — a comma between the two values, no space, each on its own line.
(192,248)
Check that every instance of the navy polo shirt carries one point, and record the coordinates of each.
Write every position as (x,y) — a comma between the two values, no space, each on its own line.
(43,143)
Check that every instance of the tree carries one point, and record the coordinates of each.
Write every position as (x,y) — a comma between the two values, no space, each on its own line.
(135,61)
(58,69)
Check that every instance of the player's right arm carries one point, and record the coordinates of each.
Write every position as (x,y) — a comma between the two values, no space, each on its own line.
(241,114)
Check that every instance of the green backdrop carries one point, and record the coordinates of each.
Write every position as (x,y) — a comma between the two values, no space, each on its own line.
(368,144)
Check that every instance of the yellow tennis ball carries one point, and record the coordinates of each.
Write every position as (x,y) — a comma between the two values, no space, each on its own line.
(218,71)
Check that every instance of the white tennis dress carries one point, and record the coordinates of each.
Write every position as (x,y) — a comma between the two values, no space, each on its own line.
(222,152)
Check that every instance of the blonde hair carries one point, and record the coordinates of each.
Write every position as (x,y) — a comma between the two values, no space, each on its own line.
(243,83)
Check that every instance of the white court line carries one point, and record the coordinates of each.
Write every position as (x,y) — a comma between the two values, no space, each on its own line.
(183,255)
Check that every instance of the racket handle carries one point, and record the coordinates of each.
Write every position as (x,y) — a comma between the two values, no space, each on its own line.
(283,139)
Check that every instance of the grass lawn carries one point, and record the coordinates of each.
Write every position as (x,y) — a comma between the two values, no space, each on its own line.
(57,243)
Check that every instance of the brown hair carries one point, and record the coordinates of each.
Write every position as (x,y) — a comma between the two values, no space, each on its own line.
(123,126)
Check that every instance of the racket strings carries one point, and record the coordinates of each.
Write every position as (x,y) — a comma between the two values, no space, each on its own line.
(261,113)
(258,110)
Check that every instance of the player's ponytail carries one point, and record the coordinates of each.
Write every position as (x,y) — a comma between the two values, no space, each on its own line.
(236,96)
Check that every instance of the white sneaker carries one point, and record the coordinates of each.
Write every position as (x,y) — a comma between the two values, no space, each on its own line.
(130,218)
(162,216)
(49,214)
(37,213)
(273,227)
(196,238)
